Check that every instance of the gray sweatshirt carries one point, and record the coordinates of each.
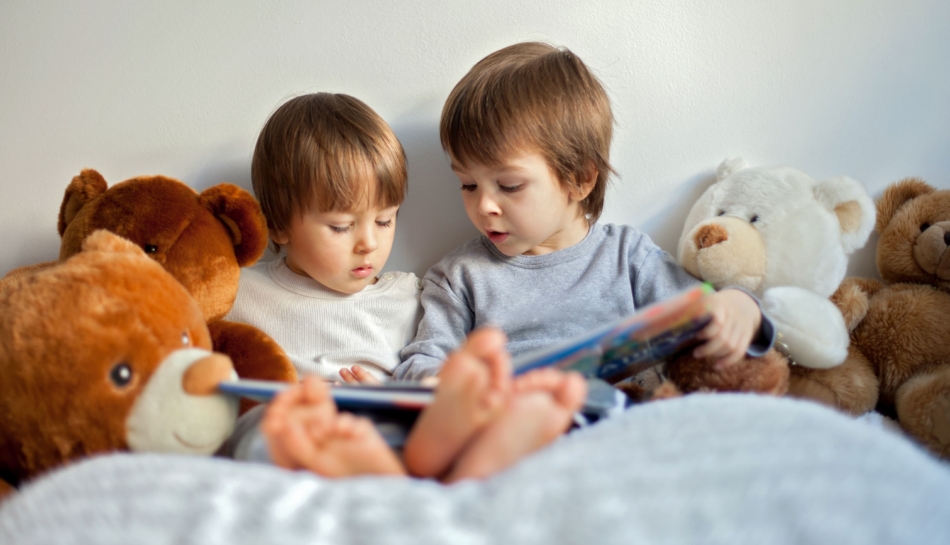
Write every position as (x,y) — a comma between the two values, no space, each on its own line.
(539,300)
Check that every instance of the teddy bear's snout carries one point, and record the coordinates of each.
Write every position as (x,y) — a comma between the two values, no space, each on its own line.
(710,235)
(203,376)
(932,250)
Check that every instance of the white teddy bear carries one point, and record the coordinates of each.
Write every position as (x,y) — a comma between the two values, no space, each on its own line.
(786,238)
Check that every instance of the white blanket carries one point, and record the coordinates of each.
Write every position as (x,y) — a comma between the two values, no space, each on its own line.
(728,469)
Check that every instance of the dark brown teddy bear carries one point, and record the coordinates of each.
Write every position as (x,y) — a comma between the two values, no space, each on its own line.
(202,239)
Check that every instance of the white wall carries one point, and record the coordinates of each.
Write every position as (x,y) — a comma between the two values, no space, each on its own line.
(856,87)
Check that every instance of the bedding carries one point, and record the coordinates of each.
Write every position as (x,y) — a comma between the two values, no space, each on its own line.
(699,469)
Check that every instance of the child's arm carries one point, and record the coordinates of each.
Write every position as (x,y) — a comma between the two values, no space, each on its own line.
(446,321)
(736,318)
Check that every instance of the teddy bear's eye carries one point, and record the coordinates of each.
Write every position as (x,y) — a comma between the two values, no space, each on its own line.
(121,375)
(754,219)
(184,339)
(721,212)
(924,227)
(151,248)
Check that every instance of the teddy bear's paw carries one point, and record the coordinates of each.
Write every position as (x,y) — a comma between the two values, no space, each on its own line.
(851,387)
(923,409)
(666,390)
(637,393)
(852,301)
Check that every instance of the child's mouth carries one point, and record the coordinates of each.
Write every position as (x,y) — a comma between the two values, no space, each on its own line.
(497,237)
(362,272)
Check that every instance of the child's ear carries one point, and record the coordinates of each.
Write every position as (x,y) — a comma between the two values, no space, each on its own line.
(279,237)
(586,184)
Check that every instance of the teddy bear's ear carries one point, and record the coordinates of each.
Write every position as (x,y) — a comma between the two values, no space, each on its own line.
(895,195)
(101,240)
(730,166)
(240,213)
(850,202)
(82,189)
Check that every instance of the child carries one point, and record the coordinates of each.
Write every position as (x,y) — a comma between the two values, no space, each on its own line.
(528,133)
(330,176)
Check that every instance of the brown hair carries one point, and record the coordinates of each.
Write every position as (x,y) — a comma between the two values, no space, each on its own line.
(533,97)
(325,151)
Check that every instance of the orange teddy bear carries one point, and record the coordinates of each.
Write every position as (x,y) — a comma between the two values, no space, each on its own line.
(104,352)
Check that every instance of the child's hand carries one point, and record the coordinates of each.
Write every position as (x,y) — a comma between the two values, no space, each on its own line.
(358,375)
(735,319)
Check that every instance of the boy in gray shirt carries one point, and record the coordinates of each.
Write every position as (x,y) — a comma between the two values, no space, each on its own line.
(528,133)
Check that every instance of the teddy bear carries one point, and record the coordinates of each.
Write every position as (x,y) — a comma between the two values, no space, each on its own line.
(202,239)
(905,331)
(105,351)
(784,237)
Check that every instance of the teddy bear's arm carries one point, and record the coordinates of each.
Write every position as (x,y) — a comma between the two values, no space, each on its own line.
(853,299)
(810,326)
(254,353)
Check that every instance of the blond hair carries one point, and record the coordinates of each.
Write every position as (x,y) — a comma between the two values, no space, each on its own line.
(325,151)
(533,97)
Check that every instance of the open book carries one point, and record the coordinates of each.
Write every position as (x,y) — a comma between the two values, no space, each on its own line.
(616,351)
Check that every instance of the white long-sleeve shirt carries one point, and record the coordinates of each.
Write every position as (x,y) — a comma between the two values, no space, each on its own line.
(324,331)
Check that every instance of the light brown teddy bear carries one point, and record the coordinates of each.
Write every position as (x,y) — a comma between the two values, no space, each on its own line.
(105,351)
(202,239)
(905,332)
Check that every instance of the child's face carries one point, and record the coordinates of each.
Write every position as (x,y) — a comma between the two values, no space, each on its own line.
(344,251)
(522,206)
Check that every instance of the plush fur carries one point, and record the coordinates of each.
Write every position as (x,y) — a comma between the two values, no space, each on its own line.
(851,387)
(905,332)
(784,237)
(105,351)
(202,239)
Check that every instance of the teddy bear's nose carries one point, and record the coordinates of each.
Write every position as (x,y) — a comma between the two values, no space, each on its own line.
(710,235)
(203,376)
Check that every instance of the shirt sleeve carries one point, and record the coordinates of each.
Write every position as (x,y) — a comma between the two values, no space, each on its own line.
(654,274)
(446,320)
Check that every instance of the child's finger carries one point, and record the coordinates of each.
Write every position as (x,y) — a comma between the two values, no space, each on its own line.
(363,376)
(732,358)
(348,376)
(711,330)
(709,349)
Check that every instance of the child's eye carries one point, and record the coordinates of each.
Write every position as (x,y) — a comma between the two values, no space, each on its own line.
(468,187)
(336,229)
(510,188)
(387,223)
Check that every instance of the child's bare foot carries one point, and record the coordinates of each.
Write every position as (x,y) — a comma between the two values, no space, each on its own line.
(542,408)
(474,386)
(305,431)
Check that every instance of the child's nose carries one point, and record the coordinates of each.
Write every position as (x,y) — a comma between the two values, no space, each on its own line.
(366,242)
(487,206)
